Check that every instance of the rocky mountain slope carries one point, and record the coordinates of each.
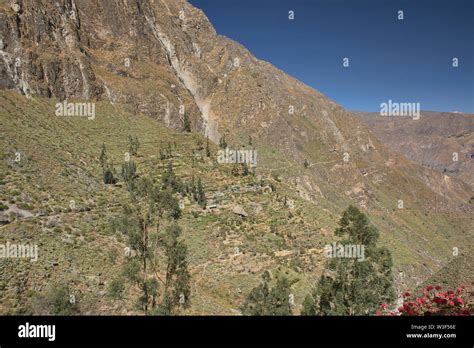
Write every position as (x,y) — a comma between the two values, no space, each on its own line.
(248,227)
(442,141)
(162,59)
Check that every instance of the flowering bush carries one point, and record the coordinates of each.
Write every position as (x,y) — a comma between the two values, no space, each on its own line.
(433,301)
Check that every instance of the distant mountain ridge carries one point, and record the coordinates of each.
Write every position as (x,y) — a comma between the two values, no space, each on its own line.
(443,141)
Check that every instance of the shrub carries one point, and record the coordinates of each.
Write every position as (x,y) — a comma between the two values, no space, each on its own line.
(58,301)
(108,177)
(25,206)
(432,301)
(187,123)
(116,288)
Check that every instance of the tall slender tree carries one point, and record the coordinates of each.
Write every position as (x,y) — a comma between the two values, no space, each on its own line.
(141,223)
(201,196)
(351,286)
(107,173)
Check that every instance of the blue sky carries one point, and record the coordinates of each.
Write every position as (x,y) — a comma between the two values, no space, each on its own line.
(405,61)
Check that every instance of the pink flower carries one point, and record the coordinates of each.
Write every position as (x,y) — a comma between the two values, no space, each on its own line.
(420,300)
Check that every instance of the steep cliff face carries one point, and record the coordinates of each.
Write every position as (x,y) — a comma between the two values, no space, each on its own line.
(163,58)
(157,56)
(42,53)
(94,50)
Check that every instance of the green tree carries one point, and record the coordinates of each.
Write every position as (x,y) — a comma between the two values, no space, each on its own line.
(129,174)
(108,177)
(104,159)
(116,288)
(170,150)
(187,123)
(208,150)
(140,222)
(170,180)
(57,300)
(201,196)
(107,174)
(176,288)
(266,300)
(350,286)
(245,169)
(222,142)
(136,144)
(192,189)
(133,145)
